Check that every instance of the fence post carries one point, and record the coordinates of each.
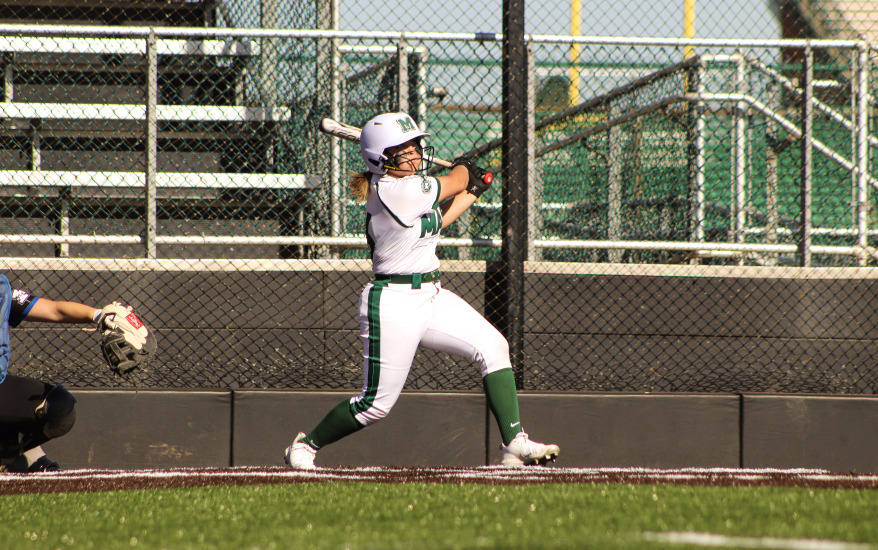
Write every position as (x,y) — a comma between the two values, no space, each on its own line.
(807,129)
(336,112)
(513,251)
(614,182)
(862,151)
(696,156)
(739,222)
(328,72)
(419,75)
(402,76)
(534,174)
(772,216)
(151,144)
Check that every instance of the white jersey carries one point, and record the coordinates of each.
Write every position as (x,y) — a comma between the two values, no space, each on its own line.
(403,222)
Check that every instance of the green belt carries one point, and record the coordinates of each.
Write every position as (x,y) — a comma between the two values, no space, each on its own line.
(414,279)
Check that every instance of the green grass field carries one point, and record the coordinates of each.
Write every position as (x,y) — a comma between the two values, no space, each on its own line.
(425,515)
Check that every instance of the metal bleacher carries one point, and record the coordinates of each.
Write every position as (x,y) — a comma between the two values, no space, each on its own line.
(132,126)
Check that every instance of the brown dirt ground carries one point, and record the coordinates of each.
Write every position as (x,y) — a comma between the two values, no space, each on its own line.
(115,480)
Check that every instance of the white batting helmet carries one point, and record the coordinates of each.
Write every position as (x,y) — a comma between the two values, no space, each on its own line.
(383,131)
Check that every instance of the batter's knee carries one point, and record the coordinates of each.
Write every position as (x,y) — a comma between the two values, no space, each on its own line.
(494,354)
(57,412)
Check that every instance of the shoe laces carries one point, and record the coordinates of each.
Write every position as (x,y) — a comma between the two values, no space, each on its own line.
(520,439)
(302,446)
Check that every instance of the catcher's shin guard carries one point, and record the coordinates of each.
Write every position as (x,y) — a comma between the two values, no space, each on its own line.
(31,413)
(57,411)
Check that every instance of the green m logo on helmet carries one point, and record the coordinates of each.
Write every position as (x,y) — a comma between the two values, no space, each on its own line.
(406,124)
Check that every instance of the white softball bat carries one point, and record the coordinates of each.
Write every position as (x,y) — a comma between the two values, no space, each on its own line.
(352,133)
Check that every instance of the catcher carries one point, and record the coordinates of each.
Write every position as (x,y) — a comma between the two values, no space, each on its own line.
(31,411)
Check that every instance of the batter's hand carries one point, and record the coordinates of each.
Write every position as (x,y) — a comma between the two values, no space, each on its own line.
(479,179)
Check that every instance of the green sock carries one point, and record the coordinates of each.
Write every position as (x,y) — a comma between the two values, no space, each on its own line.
(338,423)
(503,400)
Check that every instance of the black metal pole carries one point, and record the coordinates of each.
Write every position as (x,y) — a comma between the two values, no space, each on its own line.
(513,251)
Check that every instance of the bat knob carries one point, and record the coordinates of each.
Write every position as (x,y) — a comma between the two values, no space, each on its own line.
(488,178)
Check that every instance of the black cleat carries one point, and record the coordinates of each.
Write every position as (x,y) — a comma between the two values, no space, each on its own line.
(19,466)
(43,464)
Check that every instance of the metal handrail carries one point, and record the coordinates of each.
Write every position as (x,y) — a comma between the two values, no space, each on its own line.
(753,103)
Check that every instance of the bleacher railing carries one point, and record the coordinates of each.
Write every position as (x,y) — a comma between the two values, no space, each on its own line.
(146,142)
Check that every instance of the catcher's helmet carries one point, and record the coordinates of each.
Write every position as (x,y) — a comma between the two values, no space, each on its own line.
(383,131)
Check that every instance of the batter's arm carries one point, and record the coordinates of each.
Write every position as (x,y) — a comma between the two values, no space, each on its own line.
(454,183)
(452,209)
(453,198)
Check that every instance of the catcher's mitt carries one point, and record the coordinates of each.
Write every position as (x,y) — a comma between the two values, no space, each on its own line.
(126,342)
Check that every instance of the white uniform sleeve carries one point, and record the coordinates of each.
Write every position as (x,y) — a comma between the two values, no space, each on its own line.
(408,199)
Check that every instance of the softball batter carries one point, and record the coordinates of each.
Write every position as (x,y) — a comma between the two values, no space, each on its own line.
(405,306)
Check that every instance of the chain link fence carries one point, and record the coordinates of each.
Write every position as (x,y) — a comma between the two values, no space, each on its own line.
(699,213)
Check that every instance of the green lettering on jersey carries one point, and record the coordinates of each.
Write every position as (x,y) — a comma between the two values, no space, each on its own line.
(430,223)
(406,124)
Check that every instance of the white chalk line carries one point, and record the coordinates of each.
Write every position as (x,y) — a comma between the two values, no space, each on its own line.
(714,540)
(484,472)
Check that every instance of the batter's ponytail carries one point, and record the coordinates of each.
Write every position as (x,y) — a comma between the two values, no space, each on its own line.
(359,184)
